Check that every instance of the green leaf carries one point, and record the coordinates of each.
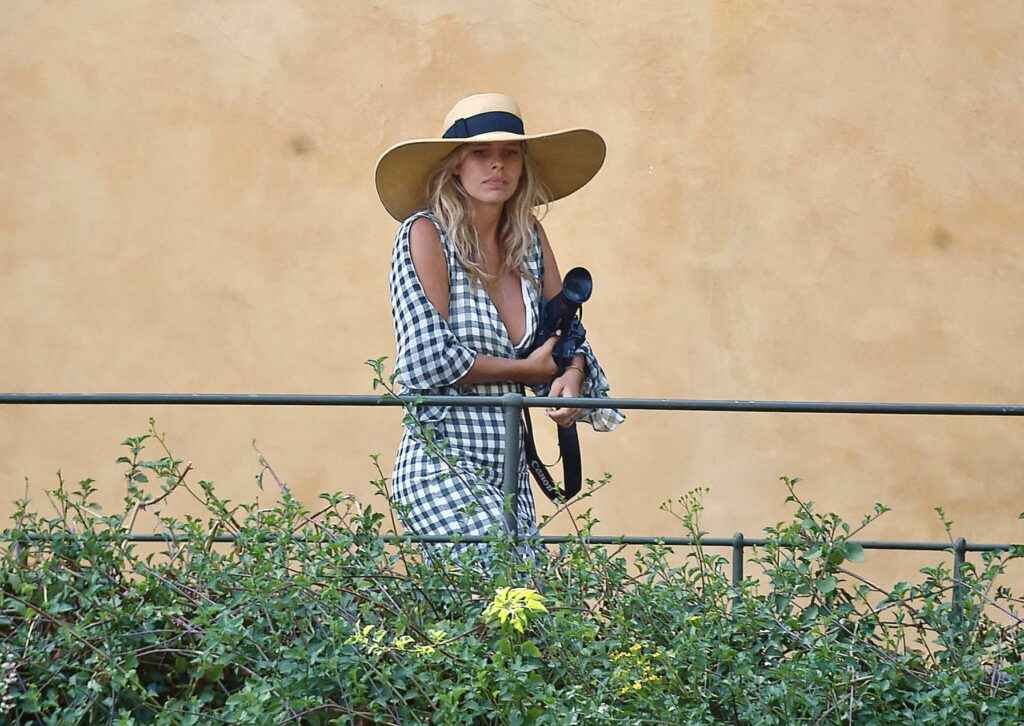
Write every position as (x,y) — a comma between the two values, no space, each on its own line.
(854,552)
(827,585)
(530,648)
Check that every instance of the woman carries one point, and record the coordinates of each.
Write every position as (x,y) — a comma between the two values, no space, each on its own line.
(470,266)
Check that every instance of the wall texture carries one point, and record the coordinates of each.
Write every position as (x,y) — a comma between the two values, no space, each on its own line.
(801,200)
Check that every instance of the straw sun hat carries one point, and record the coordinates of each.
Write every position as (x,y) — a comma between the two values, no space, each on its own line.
(565,160)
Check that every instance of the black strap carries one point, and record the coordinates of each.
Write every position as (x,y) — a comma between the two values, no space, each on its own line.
(569,447)
(485,123)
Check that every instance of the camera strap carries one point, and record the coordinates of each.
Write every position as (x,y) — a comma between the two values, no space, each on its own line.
(569,448)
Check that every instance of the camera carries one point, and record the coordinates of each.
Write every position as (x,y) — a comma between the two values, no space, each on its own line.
(563,312)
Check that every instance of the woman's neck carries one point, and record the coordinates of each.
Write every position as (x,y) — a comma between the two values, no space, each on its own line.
(486,218)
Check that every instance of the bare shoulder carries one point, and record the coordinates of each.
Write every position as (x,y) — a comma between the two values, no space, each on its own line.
(552,277)
(423,234)
(429,260)
(426,250)
(545,245)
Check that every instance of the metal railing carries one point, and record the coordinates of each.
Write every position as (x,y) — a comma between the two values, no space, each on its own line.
(513,404)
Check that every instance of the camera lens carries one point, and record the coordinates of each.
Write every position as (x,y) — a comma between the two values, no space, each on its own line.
(577,285)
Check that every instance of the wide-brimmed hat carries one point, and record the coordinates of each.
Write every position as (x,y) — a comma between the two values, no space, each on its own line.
(565,160)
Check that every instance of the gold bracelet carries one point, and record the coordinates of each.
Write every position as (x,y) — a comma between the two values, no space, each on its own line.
(583,373)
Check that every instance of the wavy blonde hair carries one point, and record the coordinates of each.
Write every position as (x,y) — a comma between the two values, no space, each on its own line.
(448,201)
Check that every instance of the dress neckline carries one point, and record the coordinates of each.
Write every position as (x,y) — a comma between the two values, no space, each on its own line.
(530,323)
(525,291)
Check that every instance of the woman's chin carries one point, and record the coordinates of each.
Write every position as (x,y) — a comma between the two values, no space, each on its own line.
(494,195)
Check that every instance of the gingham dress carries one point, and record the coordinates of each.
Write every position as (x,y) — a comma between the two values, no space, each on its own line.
(432,496)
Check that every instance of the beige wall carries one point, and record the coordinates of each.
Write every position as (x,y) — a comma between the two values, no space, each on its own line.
(801,201)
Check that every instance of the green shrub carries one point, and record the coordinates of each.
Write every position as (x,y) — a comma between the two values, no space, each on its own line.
(315,616)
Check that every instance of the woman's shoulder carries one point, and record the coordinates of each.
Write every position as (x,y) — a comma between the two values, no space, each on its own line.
(424,234)
(421,239)
(418,218)
(420,225)
(539,241)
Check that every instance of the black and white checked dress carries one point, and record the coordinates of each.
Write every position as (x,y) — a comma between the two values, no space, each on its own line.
(431,496)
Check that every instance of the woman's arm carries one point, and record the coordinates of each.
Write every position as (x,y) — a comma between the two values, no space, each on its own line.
(432,270)
(539,368)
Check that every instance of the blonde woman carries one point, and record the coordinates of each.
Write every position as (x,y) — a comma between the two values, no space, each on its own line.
(470,267)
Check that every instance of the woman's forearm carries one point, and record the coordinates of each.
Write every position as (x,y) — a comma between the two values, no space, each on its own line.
(536,369)
(578,366)
(491,369)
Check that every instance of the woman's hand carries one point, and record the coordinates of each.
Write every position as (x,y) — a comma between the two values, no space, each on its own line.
(539,367)
(567,385)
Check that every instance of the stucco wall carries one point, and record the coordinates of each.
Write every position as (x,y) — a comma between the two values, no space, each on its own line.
(801,201)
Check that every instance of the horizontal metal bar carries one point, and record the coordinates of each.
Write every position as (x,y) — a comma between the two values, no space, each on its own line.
(597,540)
(654,404)
(930,546)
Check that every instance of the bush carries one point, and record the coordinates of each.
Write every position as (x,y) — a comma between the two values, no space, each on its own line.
(315,616)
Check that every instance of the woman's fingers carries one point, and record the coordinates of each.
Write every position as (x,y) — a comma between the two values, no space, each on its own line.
(542,365)
(563,416)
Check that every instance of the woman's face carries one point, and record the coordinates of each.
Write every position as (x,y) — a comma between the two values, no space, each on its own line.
(490,172)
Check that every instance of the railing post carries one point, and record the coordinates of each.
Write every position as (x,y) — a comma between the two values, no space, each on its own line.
(513,404)
(959,555)
(737,564)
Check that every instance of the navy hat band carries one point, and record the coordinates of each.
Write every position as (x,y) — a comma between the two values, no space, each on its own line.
(485,123)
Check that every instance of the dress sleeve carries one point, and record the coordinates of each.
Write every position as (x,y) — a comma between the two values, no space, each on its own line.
(595,385)
(429,355)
